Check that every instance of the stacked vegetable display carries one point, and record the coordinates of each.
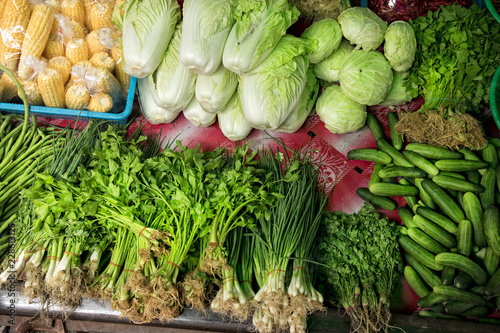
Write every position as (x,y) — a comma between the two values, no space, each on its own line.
(452,225)
(66,53)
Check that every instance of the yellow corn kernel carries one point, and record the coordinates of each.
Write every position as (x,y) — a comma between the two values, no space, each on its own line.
(62,66)
(79,72)
(54,47)
(86,9)
(51,88)
(94,43)
(76,51)
(100,15)
(13,24)
(36,37)
(100,102)
(32,92)
(102,59)
(103,81)
(55,4)
(77,96)
(67,29)
(9,88)
(74,10)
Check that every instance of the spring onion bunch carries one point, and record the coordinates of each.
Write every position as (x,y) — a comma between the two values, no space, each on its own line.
(361,254)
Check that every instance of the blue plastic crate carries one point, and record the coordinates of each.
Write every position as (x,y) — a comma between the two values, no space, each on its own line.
(68,114)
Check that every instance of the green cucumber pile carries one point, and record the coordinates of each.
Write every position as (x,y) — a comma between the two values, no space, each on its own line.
(452,222)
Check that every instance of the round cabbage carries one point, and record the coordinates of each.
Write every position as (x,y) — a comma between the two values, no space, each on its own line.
(400,45)
(365,77)
(398,95)
(339,113)
(327,35)
(362,27)
(328,69)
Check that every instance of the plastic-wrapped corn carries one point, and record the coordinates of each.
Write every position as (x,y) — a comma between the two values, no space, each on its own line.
(100,14)
(9,88)
(122,77)
(77,96)
(36,37)
(99,41)
(55,4)
(32,92)
(76,51)
(100,102)
(13,24)
(74,10)
(62,65)
(103,60)
(55,47)
(67,29)
(51,88)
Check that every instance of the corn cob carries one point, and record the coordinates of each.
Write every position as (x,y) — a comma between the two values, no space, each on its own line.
(122,77)
(100,102)
(77,96)
(67,29)
(79,72)
(51,88)
(76,51)
(3,3)
(101,13)
(74,10)
(54,47)
(9,88)
(13,26)
(62,66)
(36,37)
(103,81)
(86,9)
(32,92)
(97,41)
(102,59)
(55,4)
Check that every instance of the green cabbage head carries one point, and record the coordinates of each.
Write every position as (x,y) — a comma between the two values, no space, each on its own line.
(326,34)
(398,95)
(339,113)
(362,27)
(400,45)
(328,69)
(366,77)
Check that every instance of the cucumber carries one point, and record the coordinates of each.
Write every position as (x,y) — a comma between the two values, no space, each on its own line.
(437,218)
(490,155)
(464,237)
(476,311)
(464,264)
(415,282)
(497,197)
(495,142)
(397,157)
(492,288)
(448,275)
(392,190)
(462,281)
(431,278)
(436,232)
(491,224)
(491,261)
(430,314)
(421,162)
(452,293)
(398,171)
(396,138)
(470,156)
(374,126)
(439,307)
(374,178)
(411,200)
(474,212)
(460,165)
(422,255)
(497,174)
(457,307)
(474,177)
(370,155)
(478,254)
(425,240)
(433,152)
(390,180)
(406,216)
(489,182)
(489,320)
(478,290)
(457,184)
(443,200)
(382,202)
(424,196)
(431,299)
(452,174)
